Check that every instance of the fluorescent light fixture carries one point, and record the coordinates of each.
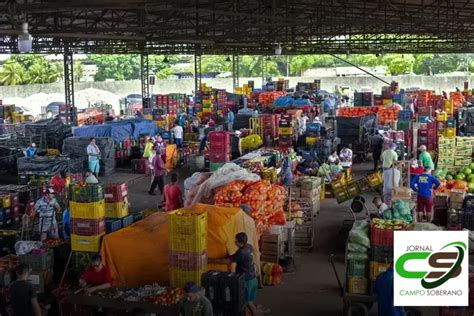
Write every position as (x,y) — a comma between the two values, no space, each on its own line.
(278,50)
(25,40)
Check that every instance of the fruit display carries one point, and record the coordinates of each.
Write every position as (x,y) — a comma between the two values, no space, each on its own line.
(169,298)
(387,115)
(267,98)
(251,142)
(389,224)
(265,200)
(357,111)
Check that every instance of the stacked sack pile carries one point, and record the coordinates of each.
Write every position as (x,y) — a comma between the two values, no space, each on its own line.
(87,207)
(188,245)
(116,207)
(358,258)
(266,201)
(219,149)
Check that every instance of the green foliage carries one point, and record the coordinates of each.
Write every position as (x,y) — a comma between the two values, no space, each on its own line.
(117,67)
(12,73)
(215,63)
(399,64)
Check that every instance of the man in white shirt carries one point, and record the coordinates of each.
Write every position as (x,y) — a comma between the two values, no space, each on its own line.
(380,205)
(178,135)
(93,152)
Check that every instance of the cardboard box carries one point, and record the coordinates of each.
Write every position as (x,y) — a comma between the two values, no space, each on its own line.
(457,196)
(401,193)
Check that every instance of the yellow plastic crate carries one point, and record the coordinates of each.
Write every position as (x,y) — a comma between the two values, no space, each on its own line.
(375,179)
(91,210)
(148,117)
(285,130)
(322,192)
(311,140)
(5,200)
(357,285)
(86,243)
(116,209)
(188,230)
(178,278)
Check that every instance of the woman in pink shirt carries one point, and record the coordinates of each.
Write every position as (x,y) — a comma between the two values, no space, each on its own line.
(172,195)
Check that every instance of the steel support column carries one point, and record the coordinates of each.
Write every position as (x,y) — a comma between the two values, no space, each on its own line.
(69,81)
(263,70)
(235,71)
(144,80)
(197,72)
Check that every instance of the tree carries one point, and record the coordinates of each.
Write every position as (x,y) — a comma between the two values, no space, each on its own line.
(399,64)
(215,63)
(161,69)
(78,68)
(12,73)
(117,67)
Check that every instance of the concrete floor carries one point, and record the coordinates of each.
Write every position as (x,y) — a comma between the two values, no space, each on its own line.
(312,289)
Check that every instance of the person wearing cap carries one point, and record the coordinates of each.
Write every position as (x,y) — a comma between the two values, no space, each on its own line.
(23,298)
(93,152)
(389,156)
(391,179)
(31,151)
(425,158)
(195,303)
(46,207)
(423,185)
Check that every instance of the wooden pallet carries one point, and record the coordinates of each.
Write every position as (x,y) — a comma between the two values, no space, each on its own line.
(270,248)
(304,236)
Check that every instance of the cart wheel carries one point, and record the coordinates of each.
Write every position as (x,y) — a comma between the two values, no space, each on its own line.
(356,309)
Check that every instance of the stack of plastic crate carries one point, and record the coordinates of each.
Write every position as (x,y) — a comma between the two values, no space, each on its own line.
(116,207)
(219,149)
(446,148)
(225,291)
(41,263)
(188,245)
(87,206)
(463,152)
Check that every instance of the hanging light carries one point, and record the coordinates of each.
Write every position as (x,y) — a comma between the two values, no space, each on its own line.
(165,60)
(278,50)
(348,54)
(25,40)
(228,59)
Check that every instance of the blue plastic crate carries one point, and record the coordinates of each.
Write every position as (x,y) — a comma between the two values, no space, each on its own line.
(313,127)
(113,224)
(147,111)
(404,115)
(424,118)
(167,134)
(127,220)
(5,213)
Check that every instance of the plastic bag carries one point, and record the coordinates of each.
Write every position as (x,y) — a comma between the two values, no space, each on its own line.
(351,255)
(356,248)
(23,247)
(423,227)
(359,234)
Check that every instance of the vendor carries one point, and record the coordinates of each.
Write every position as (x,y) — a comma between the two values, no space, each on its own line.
(160,146)
(46,207)
(96,277)
(31,151)
(178,135)
(425,158)
(380,206)
(196,123)
(58,182)
(389,156)
(423,184)
(148,147)
(376,145)
(173,198)
(391,179)
(346,157)
(286,175)
(195,303)
(93,152)
(333,159)
(230,121)
(23,298)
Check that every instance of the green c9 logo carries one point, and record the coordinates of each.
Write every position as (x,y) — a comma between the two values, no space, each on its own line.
(434,262)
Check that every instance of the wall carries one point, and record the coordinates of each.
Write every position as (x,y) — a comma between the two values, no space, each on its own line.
(122,88)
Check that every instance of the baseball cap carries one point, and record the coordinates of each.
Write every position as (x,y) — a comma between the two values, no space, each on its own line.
(50,191)
(191,287)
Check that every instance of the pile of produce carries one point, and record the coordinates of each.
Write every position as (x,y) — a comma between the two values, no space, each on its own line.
(359,241)
(400,210)
(267,98)
(265,200)
(251,142)
(138,294)
(387,115)
(169,298)
(272,274)
(357,111)
(298,212)
(389,224)
(448,185)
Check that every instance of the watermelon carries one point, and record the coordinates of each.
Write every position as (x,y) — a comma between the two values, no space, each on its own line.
(449,177)
(460,176)
(470,187)
(467,171)
(471,166)
(470,178)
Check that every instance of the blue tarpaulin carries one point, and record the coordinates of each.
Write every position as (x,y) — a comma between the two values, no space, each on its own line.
(119,130)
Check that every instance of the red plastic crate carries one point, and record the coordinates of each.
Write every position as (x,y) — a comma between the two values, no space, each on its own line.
(220,148)
(118,154)
(88,227)
(15,211)
(188,260)
(115,192)
(14,198)
(140,166)
(381,237)
(219,137)
(219,157)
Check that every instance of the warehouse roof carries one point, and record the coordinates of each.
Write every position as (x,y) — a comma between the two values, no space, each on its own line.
(240,26)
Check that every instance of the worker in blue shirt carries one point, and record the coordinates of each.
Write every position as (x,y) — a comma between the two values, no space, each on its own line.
(31,151)
(423,185)
(230,121)
(384,291)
